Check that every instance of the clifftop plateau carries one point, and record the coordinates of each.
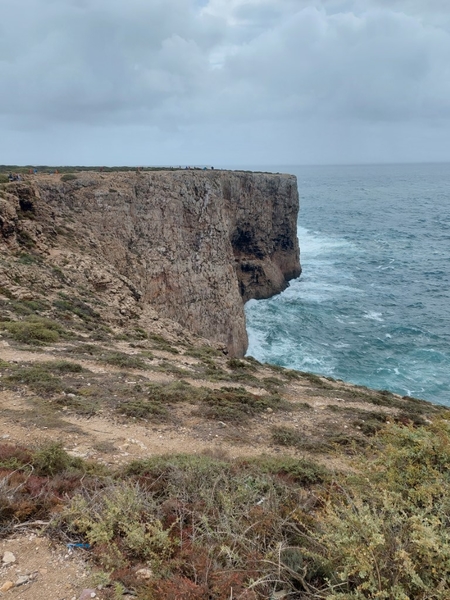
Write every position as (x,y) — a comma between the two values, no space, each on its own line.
(193,245)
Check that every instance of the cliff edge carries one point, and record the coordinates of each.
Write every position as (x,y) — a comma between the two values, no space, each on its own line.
(194,245)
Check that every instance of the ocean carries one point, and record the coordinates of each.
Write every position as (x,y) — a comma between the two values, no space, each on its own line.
(372,304)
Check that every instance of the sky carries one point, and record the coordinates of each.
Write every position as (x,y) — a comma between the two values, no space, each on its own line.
(224,82)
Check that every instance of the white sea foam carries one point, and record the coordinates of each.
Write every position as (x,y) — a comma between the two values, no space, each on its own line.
(316,244)
(371,305)
(374,316)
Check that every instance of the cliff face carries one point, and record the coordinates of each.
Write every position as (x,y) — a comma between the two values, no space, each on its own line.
(195,245)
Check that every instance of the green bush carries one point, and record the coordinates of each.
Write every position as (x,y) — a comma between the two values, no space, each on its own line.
(37,377)
(77,307)
(33,330)
(159,397)
(122,519)
(52,459)
(202,352)
(124,361)
(385,534)
(68,177)
(237,405)
(160,343)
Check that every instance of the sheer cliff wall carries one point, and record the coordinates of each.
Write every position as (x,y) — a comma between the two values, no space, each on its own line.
(195,245)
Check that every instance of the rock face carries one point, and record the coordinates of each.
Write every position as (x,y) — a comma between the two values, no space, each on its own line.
(195,245)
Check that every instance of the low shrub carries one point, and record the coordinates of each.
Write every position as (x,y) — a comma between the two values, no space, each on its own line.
(122,521)
(236,364)
(51,459)
(159,397)
(33,330)
(236,404)
(62,366)
(37,377)
(385,533)
(77,307)
(145,409)
(202,352)
(290,437)
(124,361)
(68,177)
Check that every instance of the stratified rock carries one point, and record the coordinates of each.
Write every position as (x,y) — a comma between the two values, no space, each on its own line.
(194,245)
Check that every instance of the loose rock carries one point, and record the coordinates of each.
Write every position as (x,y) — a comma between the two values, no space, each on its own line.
(22,580)
(88,594)
(144,573)
(8,558)
(6,586)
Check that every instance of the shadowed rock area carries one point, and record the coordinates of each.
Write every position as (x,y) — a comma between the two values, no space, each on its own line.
(193,245)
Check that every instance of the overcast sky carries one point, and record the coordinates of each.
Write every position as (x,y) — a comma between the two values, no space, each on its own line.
(224,82)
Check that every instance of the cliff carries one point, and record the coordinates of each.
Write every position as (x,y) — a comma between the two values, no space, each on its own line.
(194,245)
(177,435)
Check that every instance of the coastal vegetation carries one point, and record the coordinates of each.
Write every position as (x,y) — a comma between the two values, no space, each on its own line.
(271,527)
(360,512)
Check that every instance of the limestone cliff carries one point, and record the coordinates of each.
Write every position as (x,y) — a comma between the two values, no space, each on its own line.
(195,245)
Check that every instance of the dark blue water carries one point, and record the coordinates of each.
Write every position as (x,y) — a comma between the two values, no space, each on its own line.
(372,304)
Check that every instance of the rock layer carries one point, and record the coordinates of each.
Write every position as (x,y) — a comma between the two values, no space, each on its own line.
(195,245)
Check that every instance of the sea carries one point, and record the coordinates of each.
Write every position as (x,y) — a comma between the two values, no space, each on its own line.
(372,305)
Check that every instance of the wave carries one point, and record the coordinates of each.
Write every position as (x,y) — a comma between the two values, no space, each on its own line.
(371,305)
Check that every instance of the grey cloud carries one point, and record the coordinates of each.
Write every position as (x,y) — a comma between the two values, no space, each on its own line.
(96,58)
(189,77)
(380,65)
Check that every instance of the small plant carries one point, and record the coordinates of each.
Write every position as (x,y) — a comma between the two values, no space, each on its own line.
(316,380)
(272,382)
(289,437)
(77,307)
(236,404)
(68,177)
(155,407)
(37,377)
(62,366)
(120,518)
(29,259)
(160,343)
(236,364)
(370,422)
(145,409)
(203,352)
(52,459)
(14,457)
(25,239)
(124,361)
(299,470)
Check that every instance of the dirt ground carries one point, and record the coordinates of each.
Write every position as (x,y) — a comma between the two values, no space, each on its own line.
(50,571)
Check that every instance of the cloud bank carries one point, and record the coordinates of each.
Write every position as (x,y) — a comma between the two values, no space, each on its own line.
(224,81)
